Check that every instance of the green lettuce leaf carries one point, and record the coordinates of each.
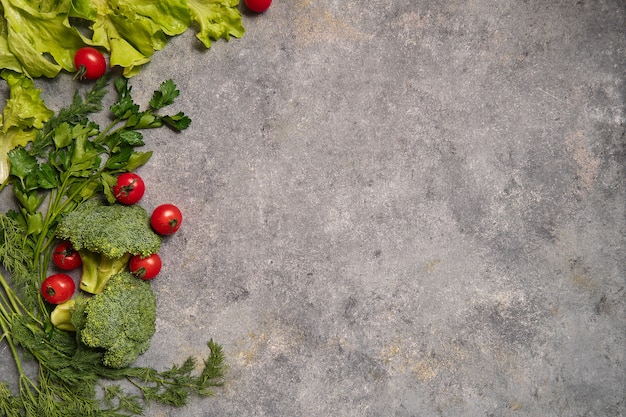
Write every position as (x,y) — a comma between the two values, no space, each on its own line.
(133,30)
(24,112)
(7,58)
(217,19)
(40,38)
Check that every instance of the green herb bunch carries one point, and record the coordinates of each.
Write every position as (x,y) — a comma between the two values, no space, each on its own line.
(70,161)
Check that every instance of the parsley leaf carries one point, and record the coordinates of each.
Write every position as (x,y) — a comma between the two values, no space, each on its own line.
(165,95)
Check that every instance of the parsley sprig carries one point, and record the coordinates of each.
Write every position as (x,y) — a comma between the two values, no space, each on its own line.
(71,161)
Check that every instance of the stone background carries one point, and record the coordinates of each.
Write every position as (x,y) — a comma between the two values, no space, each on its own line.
(398,208)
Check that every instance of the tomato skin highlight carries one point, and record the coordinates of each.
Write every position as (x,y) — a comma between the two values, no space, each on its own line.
(66,257)
(166,219)
(258,6)
(129,188)
(89,63)
(58,288)
(145,268)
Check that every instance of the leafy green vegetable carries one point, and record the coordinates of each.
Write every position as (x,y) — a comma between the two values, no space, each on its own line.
(24,112)
(216,19)
(41,40)
(70,162)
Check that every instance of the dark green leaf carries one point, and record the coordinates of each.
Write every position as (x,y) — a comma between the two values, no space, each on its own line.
(124,107)
(29,200)
(131,137)
(34,222)
(165,95)
(93,98)
(83,154)
(118,160)
(108,180)
(62,135)
(84,190)
(85,168)
(47,177)
(22,164)
(137,159)
(60,159)
(178,121)
(107,183)
(75,113)
(17,217)
(147,120)
(31,182)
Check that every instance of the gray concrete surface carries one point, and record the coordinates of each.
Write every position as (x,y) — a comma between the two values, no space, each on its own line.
(399,208)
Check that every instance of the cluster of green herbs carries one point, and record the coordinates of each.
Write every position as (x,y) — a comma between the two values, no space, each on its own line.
(69,162)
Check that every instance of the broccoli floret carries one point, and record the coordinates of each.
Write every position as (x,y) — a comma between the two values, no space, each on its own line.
(106,236)
(120,320)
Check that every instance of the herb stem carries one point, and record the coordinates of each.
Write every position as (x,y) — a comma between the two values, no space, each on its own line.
(8,298)
(108,131)
(5,323)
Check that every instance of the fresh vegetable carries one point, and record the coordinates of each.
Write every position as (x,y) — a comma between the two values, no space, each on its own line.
(66,257)
(58,288)
(24,114)
(166,219)
(89,63)
(258,6)
(70,162)
(120,320)
(36,38)
(39,38)
(145,268)
(106,236)
(129,188)
(61,316)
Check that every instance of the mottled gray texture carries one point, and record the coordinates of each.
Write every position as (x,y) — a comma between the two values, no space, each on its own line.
(399,208)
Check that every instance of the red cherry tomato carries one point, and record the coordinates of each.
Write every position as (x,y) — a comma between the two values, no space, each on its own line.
(58,288)
(129,188)
(166,219)
(90,63)
(258,6)
(145,268)
(66,257)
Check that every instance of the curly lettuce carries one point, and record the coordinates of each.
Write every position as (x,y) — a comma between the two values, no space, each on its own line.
(40,38)
(217,19)
(24,112)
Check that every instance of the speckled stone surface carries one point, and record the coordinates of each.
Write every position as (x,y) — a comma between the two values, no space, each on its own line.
(398,208)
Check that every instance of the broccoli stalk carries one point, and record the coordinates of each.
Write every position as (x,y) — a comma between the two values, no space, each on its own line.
(106,236)
(98,268)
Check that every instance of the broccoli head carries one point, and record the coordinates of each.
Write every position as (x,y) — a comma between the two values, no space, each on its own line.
(106,236)
(120,320)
